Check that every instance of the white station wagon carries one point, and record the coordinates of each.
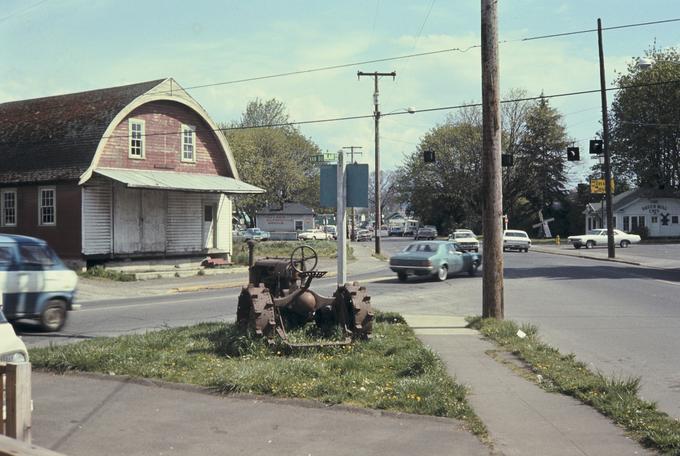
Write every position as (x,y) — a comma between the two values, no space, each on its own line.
(34,282)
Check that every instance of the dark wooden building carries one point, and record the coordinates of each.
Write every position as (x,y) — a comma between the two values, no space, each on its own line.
(138,170)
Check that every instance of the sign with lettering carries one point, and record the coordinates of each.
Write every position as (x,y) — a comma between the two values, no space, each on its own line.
(654,208)
(597,186)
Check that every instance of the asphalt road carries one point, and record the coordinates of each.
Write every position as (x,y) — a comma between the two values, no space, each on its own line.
(620,319)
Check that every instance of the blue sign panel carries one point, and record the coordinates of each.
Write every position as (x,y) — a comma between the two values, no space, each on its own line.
(356,182)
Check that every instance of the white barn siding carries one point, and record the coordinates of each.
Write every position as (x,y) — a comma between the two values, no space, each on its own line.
(184,229)
(224,228)
(96,215)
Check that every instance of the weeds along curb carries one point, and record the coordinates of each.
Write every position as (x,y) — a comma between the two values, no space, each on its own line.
(616,398)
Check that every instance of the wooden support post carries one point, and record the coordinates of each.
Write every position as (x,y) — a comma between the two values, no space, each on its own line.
(18,401)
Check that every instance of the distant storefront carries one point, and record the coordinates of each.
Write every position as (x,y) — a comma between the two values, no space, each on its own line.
(656,210)
(284,222)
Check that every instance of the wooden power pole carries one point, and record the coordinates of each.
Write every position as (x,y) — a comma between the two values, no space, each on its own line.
(492,190)
(376,116)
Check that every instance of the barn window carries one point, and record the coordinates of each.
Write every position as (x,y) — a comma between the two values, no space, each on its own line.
(9,207)
(674,219)
(47,207)
(136,128)
(188,143)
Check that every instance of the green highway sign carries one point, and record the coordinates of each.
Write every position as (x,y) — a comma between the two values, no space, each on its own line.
(323,158)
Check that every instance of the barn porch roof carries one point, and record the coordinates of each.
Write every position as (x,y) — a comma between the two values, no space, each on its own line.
(170,180)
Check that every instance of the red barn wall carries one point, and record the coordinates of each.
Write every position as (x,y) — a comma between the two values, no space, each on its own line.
(65,236)
(162,126)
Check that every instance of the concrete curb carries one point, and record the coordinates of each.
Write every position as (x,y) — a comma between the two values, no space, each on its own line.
(589,257)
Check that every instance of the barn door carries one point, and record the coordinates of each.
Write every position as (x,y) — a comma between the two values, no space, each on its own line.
(126,228)
(153,221)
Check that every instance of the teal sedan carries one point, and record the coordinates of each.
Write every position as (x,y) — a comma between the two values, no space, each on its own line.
(434,258)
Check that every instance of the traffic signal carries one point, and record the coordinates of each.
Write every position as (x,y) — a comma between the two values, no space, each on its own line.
(428,156)
(573,154)
(596,147)
(506,160)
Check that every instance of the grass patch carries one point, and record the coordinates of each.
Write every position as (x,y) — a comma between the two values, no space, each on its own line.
(98,272)
(283,249)
(392,371)
(616,398)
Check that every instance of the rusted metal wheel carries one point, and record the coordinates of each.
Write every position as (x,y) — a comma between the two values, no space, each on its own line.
(255,311)
(359,310)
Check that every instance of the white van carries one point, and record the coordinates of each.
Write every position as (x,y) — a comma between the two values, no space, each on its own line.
(34,282)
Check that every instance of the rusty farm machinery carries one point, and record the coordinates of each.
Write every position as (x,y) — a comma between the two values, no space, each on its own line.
(278,297)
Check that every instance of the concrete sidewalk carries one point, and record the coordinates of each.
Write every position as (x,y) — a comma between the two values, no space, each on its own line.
(522,418)
(90,416)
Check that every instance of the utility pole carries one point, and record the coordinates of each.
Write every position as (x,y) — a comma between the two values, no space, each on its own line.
(605,146)
(351,161)
(376,115)
(492,190)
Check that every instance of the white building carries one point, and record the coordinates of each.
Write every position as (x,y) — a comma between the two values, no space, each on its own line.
(658,210)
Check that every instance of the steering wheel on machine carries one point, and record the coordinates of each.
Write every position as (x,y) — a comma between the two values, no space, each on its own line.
(300,256)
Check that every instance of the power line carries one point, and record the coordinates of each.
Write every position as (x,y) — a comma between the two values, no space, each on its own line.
(422,54)
(357,117)
(25,10)
(420,30)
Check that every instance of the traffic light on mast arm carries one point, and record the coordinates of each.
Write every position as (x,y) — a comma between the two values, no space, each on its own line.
(573,154)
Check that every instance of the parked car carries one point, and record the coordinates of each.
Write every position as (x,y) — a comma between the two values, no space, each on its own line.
(434,258)
(313,234)
(516,240)
(363,235)
(599,237)
(466,239)
(331,230)
(12,349)
(36,283)
(426,232)
(256,234)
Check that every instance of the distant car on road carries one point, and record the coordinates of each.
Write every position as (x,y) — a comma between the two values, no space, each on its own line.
(426,232)
(434,258)
(466,239)
(256,234)
(363,235)
(313,234)
(516,240)
(599,237)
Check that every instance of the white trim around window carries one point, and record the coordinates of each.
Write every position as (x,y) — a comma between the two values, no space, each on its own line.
(47,206)
(137,141)
(8,207)
(188,147)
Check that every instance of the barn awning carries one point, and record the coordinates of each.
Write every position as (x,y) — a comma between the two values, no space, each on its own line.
(170,180)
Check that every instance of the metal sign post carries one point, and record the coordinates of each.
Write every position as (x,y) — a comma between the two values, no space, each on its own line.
(341,225)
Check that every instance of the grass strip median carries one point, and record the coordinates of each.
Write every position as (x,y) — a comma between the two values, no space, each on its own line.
(283,249)
(613,397)
(393,371)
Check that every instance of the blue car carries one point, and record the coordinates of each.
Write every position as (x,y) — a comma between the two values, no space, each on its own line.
(34,282)
(434,258)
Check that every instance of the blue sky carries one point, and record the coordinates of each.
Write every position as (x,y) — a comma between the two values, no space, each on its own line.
(52,47)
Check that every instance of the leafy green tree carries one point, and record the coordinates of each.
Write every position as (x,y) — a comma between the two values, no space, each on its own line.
(645,122)
(540,161)
(446,193)
(277,159)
